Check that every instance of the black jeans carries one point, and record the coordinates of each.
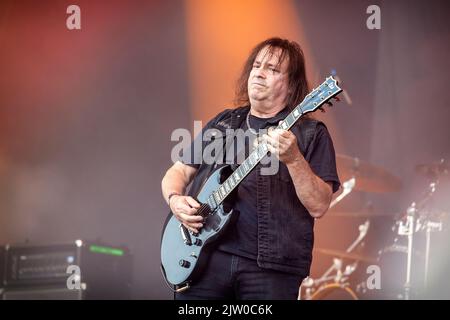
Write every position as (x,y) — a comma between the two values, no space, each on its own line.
(228,276)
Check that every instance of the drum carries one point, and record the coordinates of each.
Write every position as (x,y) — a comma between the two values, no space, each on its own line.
(392,261)
(334,291)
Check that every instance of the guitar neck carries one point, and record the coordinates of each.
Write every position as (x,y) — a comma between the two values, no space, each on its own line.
(312,102)
(252,160)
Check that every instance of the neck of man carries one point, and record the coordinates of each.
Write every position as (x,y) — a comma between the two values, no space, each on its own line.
(261,110)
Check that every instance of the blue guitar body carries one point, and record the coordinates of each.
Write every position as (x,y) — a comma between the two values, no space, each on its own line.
(183,254)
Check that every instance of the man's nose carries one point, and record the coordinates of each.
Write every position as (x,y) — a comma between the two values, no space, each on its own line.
(260,73)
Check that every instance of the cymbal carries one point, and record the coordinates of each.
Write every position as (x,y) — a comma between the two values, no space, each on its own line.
(369,178)
(433,170)
(346,255)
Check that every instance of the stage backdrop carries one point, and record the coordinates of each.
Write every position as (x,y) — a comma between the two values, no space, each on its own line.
(86,115)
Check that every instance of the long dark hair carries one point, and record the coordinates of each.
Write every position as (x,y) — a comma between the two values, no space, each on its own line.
(298,84)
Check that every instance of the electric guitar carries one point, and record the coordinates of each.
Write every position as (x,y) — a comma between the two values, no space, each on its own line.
(184,254)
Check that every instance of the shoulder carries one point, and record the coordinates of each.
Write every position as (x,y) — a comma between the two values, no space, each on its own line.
(310,126)
(310,132)
(223,118)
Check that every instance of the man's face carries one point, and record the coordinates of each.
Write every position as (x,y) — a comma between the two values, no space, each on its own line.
(268,80)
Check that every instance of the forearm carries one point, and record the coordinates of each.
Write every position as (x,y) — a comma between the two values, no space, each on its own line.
(184,208)
(173,181)
(314,193)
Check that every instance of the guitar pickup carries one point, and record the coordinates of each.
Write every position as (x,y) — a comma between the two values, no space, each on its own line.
(185,235)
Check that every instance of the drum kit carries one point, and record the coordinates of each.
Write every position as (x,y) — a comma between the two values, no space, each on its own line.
(404,264)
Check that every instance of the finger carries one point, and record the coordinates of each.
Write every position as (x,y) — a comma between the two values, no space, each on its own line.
(272,133)
(255,143)
(278,139)
(192,202)
(196,225)
(266,137)
(191,218)
(289,136)
(194,230)
(283,133)
(279,135)
(272,149)
(193,226)
(286,138)
(283,136)
(186,208)
(272,141)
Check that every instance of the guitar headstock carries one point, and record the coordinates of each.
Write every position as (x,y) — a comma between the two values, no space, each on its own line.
(322,94)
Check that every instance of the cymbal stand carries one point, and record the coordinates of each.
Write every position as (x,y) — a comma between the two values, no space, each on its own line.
(408,228)
(340,276)
(348,187)
(430,226)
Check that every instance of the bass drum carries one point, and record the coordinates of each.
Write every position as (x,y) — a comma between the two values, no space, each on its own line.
(334,291)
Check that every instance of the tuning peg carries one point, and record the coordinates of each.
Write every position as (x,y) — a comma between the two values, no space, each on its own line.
(329,103)
(337,99)
(321,109)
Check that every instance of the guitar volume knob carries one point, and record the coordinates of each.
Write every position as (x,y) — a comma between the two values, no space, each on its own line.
(184,263)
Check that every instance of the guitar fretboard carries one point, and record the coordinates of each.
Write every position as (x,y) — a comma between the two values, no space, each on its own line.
(312,102)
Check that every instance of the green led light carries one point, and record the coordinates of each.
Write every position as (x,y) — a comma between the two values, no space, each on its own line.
(106,250)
